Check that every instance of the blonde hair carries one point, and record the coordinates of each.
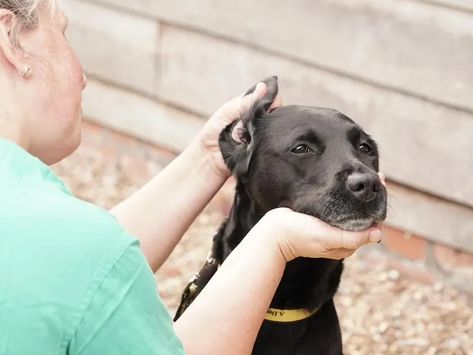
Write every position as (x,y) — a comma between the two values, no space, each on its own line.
(26,12)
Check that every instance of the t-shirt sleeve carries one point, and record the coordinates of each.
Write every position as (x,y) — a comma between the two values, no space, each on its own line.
(125,314)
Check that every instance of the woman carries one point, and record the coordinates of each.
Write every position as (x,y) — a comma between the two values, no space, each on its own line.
(72,278)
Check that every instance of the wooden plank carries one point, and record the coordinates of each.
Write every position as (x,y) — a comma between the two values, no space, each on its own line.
(409,46)
(114,45)
(438,220)
(138,116)
(423,145)
(460,5)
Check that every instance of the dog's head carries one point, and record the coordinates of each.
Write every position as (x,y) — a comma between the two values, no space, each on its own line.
(313,160)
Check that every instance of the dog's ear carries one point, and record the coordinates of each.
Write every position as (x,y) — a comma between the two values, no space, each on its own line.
(263,105)
(236,140)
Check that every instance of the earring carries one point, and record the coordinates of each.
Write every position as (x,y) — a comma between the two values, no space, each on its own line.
(26,72)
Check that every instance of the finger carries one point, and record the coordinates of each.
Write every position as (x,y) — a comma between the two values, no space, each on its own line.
(260,90)
(338,254)
(382,177)
(238,106)
(276,103)
(354,240)
(336,238)
(339,238)
(249,100)
(344,253)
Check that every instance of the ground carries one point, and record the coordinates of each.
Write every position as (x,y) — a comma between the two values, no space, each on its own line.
(383,309)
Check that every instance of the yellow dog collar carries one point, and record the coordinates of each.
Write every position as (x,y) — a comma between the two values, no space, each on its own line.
(288,315)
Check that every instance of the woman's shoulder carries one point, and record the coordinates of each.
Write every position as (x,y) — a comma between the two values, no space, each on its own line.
(62,235)
(42,219)
(41,214)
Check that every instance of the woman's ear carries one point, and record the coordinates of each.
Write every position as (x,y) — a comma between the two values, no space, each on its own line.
(9,50)
(237,139)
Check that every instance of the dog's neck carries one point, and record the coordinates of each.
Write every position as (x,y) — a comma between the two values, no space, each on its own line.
(306,283)
(244,215)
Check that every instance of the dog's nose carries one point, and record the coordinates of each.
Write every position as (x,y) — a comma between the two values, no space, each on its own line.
(364,186)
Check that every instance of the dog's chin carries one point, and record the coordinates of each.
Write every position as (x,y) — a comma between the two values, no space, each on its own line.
(355,224)
(350,222)
(346,214)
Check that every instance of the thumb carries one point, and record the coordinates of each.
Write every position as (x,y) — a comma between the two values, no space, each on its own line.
(249,100)
(353,240)
(240,105)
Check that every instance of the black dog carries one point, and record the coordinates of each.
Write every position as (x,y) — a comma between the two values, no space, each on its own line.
(315,161)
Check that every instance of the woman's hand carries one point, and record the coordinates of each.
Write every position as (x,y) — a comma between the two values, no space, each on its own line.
(239,294)
(194,176)
(226,114)
(300,235)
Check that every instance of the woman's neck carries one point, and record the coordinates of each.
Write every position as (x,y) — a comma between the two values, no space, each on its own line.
(11,122)
(11,132)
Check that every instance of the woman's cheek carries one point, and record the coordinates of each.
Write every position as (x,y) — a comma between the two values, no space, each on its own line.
(76,76)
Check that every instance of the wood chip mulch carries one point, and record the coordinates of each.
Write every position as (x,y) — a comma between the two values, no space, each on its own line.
(381,310)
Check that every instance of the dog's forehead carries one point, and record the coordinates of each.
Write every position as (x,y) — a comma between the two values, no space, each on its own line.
(300,118)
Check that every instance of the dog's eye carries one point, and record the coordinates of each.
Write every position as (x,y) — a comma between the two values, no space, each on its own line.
(365,148)
(301,149)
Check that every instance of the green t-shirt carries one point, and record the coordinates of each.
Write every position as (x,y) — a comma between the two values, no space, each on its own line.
(72,281)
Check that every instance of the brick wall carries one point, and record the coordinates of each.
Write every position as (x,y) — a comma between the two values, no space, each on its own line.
(402,69)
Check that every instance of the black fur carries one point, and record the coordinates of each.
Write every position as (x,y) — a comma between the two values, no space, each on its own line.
(335,180)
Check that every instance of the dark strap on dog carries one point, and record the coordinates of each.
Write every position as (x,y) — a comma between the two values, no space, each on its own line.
(201,279)
(196,284)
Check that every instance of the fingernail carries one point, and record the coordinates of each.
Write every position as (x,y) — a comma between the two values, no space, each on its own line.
(375,236)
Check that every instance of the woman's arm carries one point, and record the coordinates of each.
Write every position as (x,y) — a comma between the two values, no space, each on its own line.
(160,212)
(226,316)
